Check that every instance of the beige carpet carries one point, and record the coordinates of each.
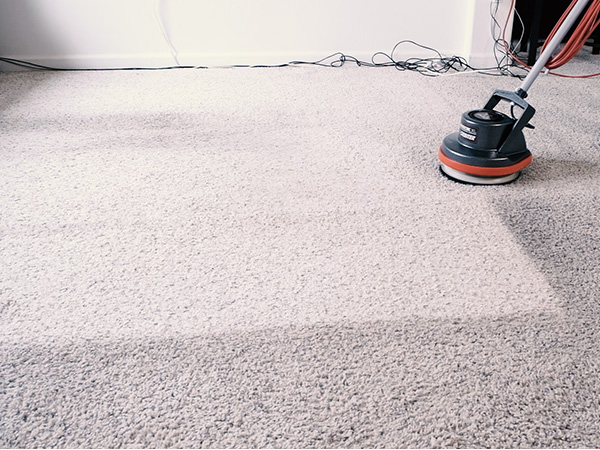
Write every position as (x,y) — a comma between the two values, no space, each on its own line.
(271,258)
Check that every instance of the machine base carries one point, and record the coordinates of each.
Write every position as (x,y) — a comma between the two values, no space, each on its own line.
(475,167)
(456,175)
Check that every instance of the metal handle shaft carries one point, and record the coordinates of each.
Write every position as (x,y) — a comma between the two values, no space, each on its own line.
(554,43)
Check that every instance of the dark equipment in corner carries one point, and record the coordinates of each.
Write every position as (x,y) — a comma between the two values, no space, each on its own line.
(490,147)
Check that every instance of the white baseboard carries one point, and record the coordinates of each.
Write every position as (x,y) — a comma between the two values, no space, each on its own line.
(482,61)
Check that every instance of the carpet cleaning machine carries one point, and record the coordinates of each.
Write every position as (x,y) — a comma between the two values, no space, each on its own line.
(490,147)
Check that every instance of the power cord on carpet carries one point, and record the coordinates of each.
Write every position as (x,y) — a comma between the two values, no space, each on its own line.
(433,66)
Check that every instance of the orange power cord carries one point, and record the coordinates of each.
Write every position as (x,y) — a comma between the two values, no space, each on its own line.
(588,23)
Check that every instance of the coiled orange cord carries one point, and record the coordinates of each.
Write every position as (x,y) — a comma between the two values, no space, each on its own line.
(588,23)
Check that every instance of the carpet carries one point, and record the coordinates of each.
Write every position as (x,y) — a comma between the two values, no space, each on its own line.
(271,258)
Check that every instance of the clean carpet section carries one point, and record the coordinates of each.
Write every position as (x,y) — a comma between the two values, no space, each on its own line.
(271,258)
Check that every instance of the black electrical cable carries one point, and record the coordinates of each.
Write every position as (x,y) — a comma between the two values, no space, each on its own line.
(433,66)
(34,66)
(505,64)
(425,66)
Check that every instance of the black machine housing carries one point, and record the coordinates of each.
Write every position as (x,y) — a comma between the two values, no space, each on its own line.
(488,138)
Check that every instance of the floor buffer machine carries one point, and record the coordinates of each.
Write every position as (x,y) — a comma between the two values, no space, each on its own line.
(490,147)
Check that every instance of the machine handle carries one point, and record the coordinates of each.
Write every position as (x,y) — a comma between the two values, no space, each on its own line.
(509,96)
(521,122)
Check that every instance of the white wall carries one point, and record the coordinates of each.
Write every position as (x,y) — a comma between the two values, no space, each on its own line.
(481,42)
(120,33)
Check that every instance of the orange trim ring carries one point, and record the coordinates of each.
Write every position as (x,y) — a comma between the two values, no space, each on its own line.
(484,171)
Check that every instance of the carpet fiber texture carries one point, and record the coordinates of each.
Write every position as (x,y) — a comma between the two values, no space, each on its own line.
(271,258)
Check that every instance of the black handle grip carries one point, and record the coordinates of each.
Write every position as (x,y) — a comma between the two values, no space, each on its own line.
(521,122)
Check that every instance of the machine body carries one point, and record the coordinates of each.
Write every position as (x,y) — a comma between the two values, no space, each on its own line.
(489,147)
